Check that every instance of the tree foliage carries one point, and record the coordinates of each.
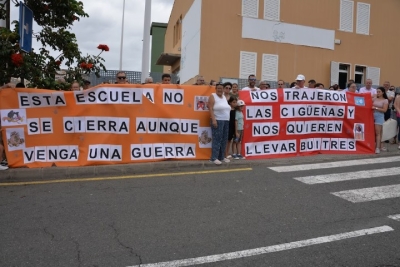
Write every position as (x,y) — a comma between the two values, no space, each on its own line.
(55,17)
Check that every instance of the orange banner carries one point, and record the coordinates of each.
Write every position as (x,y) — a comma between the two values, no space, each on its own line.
(116,124)
(105,125)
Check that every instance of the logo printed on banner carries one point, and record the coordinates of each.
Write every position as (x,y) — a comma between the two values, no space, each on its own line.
(15,138)
(205,140)
(13,117)
(201,103)
(359,100)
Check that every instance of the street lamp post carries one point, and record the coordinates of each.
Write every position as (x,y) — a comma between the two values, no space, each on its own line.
(146,41)
(122,36)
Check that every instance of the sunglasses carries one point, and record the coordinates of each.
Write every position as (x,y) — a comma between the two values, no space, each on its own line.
(252,79)
(121,78)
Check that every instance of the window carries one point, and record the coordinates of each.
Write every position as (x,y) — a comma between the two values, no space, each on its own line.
(340,73)
(374,74)
(250,8)
(344,74)
(363,17)
(177,31)
(272,9)
(248,64)
(359,74)
(269,70)
(346,15)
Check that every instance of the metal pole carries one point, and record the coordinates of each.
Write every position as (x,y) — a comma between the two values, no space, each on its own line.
(146,41)
(122,36)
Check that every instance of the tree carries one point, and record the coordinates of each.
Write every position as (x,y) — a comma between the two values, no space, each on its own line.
(38,67)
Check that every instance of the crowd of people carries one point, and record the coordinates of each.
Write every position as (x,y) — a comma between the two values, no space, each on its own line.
(226,110)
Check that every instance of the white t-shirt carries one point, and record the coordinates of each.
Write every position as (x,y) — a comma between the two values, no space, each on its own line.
(221,108)
(364,90)
(250,89)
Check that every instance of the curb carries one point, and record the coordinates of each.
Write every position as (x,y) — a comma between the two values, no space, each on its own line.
(52,173)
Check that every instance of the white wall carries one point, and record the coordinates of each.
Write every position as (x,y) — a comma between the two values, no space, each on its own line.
(190,46)
(275,31)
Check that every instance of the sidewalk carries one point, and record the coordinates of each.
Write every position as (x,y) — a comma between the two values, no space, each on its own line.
(169,166)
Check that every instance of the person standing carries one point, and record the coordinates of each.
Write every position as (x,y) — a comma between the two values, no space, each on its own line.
(368,88)
(252,84)
(227,90)
(219,113)
(300,81)
(239,126)
(232,126)
(166,78)
(397,111)
(380,105)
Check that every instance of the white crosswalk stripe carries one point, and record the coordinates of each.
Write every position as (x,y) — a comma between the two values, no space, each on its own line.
(369,194)
(354,195)
(395,217)
(337,164)
(339,177)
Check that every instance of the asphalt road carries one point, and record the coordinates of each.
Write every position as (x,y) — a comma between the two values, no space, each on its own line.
(246,217)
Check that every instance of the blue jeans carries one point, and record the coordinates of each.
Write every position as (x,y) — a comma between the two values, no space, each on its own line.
(219,140)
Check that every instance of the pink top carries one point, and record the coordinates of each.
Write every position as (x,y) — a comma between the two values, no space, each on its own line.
(379,103)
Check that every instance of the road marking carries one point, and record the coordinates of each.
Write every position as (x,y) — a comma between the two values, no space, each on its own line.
(270,249)
(338,177)
(370,194)
(123,177)
(327,165)
(395,217)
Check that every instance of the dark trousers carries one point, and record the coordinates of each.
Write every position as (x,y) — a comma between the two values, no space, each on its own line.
(219,139)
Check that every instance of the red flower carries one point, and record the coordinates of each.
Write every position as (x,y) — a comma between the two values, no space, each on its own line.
(103,47)
(89,65)
(58,62)
(83,65)
(17,59)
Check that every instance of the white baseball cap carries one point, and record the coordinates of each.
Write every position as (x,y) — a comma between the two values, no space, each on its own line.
(241,103)
(300,77)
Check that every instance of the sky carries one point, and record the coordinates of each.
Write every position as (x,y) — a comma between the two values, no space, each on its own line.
(103,26)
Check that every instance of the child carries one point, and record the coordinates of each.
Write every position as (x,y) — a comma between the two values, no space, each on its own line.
(237,146)
(232,130)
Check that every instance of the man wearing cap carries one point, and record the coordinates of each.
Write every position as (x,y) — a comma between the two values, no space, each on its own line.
(300,81)
(252,84)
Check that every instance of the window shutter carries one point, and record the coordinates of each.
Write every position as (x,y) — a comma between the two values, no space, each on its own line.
(250,8)
(248,64)
(269,67)
(272,9)
(363,17)
(374,74)
(346,15)
(334,72)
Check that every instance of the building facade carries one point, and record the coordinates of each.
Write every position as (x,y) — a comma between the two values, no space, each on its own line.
(330,41)
(157,32)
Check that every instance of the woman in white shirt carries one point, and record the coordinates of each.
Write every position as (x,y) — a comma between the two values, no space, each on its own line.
(219,113)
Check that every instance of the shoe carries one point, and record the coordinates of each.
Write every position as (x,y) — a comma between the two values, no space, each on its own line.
(377,151)
(226,160)
(236,157)
(3,168)
(230,156)
(4,162)
(383,149)
(217,162)
(241,157)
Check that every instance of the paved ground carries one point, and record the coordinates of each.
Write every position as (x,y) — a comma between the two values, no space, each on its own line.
(243,214)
